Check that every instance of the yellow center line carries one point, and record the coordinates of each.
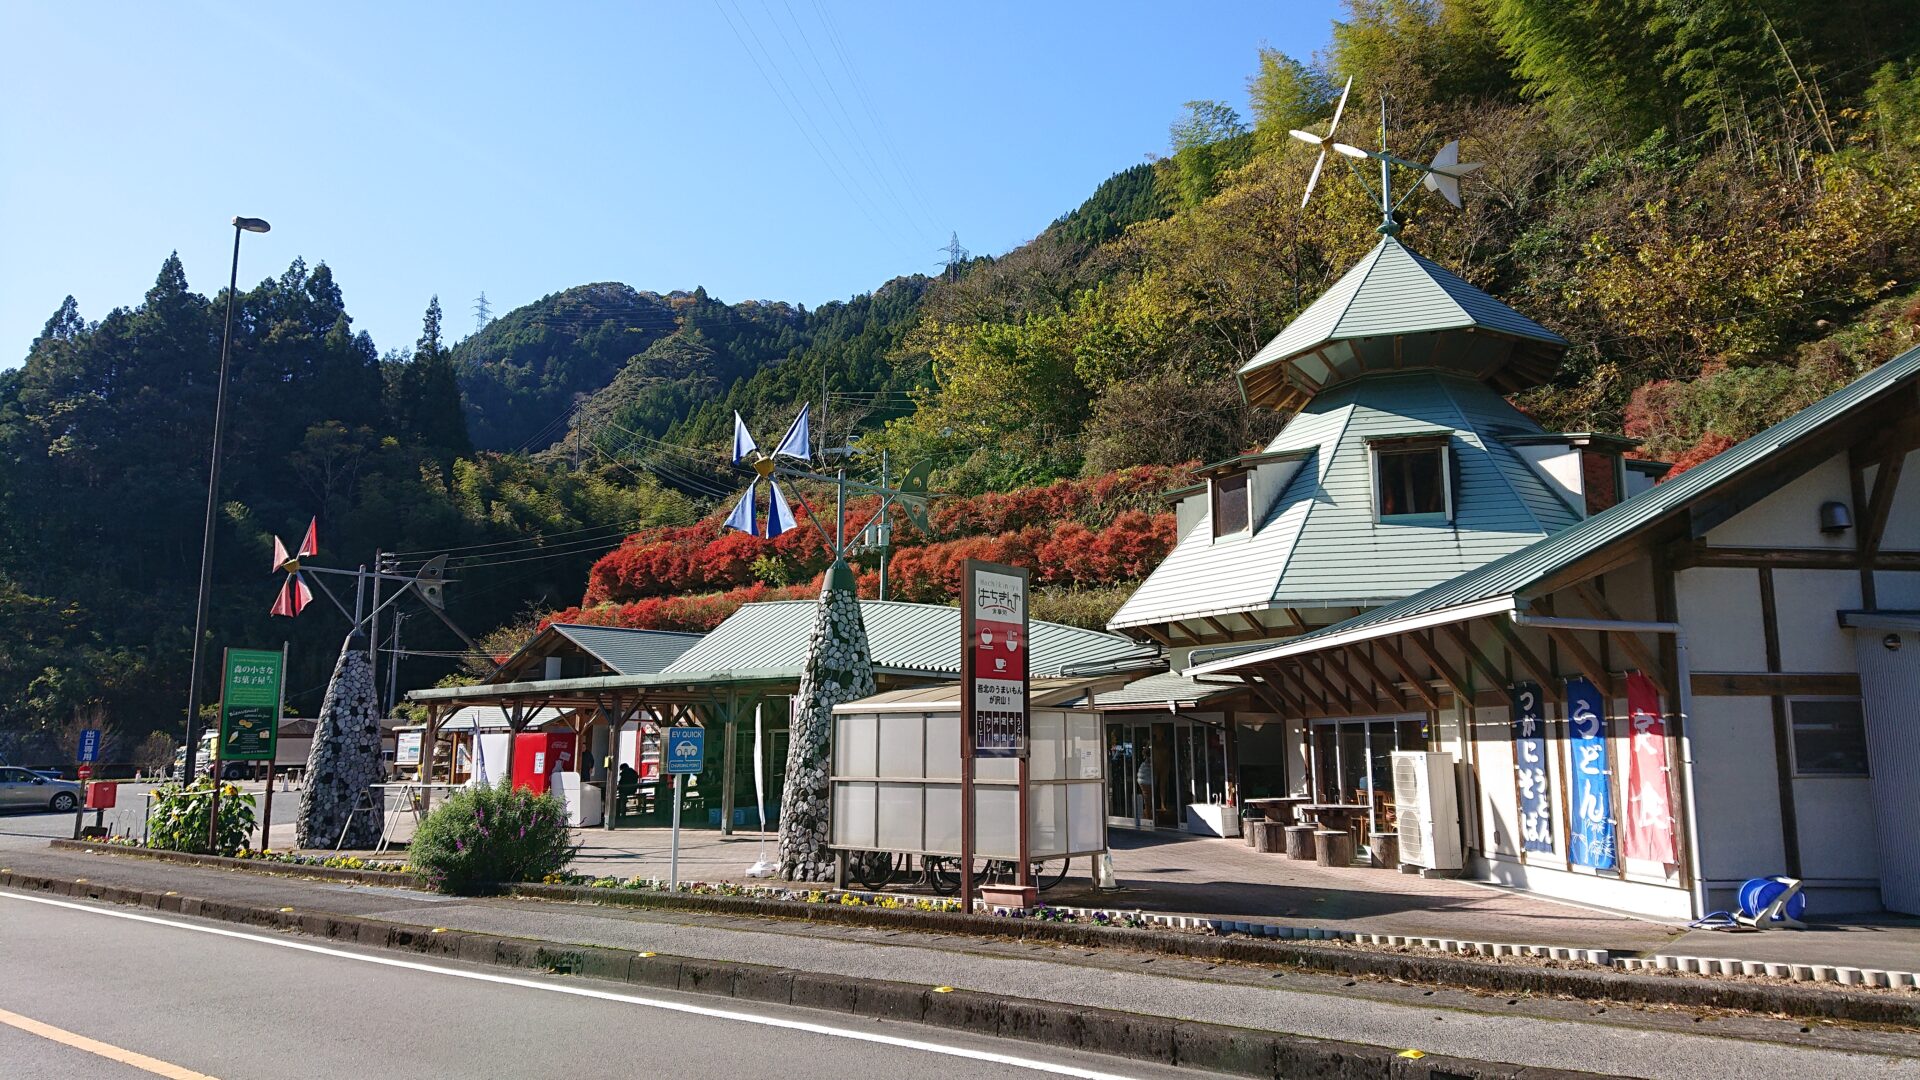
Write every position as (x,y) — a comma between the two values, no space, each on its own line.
(95,1046)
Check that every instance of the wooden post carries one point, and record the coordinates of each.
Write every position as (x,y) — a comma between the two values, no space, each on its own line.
(429,737)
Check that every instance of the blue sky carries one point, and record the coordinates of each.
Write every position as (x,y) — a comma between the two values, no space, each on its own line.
(801,150)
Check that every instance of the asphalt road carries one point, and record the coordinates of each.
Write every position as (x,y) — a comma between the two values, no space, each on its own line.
(85,988)
(128,815)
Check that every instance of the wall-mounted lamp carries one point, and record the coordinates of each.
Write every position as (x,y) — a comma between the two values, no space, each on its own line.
(1891,642)
(1835,518)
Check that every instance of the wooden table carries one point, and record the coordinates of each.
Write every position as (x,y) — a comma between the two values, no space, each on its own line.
(1277,808)
(1346,816)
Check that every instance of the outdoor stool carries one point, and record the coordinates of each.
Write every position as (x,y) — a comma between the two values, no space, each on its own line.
(1267,837)
(1385,848)
(1300,842)
(1333,847)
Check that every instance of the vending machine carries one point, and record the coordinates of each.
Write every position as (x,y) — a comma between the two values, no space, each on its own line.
(537,755)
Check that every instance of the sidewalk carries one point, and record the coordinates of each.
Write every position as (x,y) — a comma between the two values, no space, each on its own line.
(1224,878)
(1528,1030)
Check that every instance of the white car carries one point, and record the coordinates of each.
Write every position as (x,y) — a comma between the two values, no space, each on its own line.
(23,790)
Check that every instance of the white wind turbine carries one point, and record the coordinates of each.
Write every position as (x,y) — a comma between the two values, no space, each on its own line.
(1321,141)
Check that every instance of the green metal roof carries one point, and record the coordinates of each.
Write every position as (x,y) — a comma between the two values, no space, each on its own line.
(1167,688)
(1501,580)
(905,639)
(629,652)
(1396,310)
(1318,545)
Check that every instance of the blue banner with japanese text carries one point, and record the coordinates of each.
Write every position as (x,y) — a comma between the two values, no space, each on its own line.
(1530,768)
(1592,840)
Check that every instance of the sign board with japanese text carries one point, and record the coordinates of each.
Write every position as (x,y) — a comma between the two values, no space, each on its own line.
(994,621)
(406,748)
(686,750)
(1592,842)
(88,751)
(250,705)
(1530,768)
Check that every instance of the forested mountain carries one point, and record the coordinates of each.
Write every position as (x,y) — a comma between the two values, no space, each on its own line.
(1714,200)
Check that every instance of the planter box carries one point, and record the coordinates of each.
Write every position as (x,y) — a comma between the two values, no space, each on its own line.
(1213,819)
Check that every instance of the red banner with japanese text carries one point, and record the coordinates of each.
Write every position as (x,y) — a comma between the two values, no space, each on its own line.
(1649,831)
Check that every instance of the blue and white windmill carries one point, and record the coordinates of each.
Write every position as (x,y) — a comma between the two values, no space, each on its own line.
(793,445)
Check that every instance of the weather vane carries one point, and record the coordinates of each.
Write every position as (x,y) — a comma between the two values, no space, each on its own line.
(1443,174)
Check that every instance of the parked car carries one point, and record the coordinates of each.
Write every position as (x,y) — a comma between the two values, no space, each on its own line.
(24,790)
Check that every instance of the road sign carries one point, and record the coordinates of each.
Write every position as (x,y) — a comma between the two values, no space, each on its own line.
(250,705)
(85,771)
(686,750)
(89,750)
(996,645)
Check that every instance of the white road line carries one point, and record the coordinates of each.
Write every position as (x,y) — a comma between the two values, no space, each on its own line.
(586,992)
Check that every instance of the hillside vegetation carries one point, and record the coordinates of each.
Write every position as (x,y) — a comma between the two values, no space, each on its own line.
(1713,200)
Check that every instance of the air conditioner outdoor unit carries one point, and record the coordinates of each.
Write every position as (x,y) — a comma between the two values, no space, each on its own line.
(1428,809)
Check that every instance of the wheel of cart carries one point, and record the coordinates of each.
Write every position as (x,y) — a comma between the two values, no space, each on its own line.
(873,869)
(942,873)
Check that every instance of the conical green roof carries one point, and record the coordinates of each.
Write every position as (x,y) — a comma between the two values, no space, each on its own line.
(1397,311)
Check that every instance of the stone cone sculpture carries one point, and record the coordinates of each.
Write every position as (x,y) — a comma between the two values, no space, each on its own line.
(345,758)
(838,669)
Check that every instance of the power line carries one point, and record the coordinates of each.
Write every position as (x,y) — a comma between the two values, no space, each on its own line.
(827,157)
(866,103)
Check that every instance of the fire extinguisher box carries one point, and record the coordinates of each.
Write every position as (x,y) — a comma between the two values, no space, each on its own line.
(537,755)
(102,794)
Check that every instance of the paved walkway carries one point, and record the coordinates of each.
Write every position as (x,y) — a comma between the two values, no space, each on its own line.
(1651,1042)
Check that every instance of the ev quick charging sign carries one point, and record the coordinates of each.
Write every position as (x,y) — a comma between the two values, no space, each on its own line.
(686,750)
(1530,768)
(1592,792)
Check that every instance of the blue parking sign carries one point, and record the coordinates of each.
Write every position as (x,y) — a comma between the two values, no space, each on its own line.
(686,751)
(89,751)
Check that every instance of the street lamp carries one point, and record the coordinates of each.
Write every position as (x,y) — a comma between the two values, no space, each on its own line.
(240,225)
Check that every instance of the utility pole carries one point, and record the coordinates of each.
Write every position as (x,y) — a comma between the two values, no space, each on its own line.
(373,627)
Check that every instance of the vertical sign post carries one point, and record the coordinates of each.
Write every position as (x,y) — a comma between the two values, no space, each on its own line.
(686,754)
(249,718)
(994,716)
(85,754)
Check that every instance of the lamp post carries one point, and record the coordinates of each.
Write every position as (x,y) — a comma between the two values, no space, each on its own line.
(240,225)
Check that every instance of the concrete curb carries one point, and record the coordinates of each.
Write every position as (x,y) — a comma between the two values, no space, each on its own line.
(254,866)
(1161,1040)
(1624,987)
(1633,982)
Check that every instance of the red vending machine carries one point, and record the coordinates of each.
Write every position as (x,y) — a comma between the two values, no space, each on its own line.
(537,754)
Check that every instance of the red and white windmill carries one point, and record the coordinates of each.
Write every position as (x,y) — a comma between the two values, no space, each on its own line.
(294,594)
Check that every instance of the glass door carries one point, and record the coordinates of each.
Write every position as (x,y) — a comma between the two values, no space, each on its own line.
(1123,788)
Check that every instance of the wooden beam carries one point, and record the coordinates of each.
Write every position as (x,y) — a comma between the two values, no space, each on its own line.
(1360,652)
(1589,665)
(1423,643)
(1308,694)
(1259,628)
(1549,681)
(1765,684)
(1637,651)
(1267,689)
(1367,695)
(1228,632)
(1299,624)
(1460,637)
(1155,633)
(1751,558)
(1415,678)
(1330,693)
(1879,507)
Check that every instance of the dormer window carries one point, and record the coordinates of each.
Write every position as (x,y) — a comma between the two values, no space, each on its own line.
(1412,480)
(1230,511)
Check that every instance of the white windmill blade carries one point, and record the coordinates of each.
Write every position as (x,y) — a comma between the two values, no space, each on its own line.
(1313,178)
(1447,162)
(1447,186)
(1350,151)
(1305,136)
(1340,108)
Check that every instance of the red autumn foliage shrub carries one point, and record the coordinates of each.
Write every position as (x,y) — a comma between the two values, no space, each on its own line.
(1096,531)
(697,613)
(1709,446)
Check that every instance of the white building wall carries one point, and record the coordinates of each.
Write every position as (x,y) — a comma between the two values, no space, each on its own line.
(1736,790)
(1721,611)
(1903,524)
(1790,517)
(1805,603)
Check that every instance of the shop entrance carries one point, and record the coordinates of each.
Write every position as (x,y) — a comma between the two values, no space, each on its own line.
(1156,769)
(1351,761)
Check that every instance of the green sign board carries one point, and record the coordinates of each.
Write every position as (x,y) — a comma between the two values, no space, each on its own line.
(250,705)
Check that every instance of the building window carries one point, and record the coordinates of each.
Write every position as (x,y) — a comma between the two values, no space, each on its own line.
(1230,511)
(1410,481)
(1829,738)
(1599,475)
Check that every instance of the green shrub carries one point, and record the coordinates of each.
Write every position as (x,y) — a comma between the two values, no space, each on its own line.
(177,818)
(482,837)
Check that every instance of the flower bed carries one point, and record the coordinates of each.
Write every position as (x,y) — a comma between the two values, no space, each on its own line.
(846,898)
